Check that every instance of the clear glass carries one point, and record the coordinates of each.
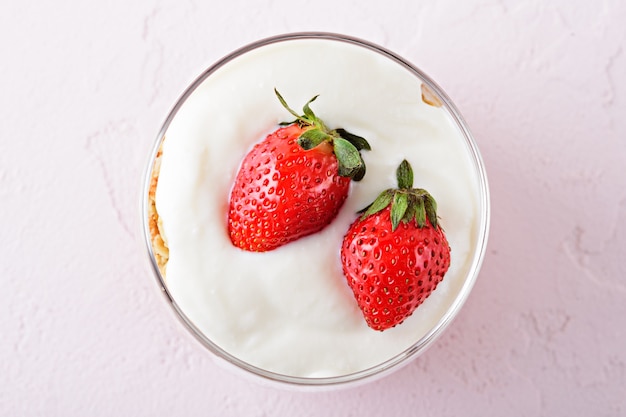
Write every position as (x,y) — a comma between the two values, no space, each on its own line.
(419,346)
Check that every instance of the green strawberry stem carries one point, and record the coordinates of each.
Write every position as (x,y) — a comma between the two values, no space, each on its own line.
(346,146)
(407,203)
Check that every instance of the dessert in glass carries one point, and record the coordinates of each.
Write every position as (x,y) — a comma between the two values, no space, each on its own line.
(287,315)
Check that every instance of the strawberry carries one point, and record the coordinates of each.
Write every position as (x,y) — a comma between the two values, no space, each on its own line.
(293,182)
(395,253)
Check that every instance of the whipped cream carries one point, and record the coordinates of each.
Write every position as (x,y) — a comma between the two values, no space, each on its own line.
(290,311)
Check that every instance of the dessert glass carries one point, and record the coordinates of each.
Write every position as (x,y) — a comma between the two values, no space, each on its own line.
(479,245)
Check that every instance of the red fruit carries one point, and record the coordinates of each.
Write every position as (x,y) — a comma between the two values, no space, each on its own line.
(293,183)
(395,254)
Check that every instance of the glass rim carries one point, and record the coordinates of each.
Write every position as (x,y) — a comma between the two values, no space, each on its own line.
(426,340)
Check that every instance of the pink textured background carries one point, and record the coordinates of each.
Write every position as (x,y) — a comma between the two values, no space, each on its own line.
(84,87)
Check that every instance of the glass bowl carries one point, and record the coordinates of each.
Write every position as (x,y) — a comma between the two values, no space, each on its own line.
(476,235)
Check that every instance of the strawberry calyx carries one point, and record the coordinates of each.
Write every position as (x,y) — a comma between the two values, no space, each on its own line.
(407,203)
(346,146)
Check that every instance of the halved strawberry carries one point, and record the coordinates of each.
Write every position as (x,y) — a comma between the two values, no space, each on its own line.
(293,183)
(394,255)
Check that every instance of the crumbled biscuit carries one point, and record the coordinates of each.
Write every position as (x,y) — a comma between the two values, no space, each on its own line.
(157,237)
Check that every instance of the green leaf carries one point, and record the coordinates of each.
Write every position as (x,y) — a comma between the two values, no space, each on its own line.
(382,201)
(398,208)
(284,103)
(350,161)
(420,215)
(410,211)
(307,110)
(360,172)
(358,142)
(404,174)
(430,206)
(311,138)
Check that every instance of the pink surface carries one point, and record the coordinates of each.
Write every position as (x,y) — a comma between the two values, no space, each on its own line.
(84,87)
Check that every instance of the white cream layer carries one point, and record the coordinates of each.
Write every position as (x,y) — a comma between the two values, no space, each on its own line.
(290,310)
